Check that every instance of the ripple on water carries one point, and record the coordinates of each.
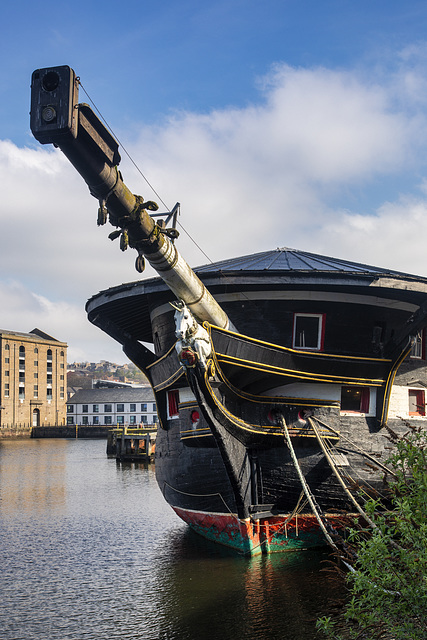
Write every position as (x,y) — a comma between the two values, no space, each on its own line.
(90,551)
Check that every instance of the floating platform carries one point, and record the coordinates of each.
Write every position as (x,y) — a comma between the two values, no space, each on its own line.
(132,443)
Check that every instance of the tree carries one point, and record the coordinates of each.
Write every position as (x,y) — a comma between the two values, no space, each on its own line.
(388,586)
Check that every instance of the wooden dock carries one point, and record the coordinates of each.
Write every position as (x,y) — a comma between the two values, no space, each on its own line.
(132,443)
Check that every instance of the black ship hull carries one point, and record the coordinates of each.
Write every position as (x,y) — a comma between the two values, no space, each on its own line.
(242,434)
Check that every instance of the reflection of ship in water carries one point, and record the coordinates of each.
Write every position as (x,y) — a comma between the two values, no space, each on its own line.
(21,465)
(208,592)
(274,373)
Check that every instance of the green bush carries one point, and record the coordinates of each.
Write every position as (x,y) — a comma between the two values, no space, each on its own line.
(388,587)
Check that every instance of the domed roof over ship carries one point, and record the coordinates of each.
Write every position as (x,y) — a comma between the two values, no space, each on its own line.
(282,273)
(285,259)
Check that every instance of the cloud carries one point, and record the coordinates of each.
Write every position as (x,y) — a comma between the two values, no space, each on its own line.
(395,234)
(281,169)
(330,161)
(24,310)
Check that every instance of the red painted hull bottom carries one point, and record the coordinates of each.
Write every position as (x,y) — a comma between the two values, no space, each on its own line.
(275,534)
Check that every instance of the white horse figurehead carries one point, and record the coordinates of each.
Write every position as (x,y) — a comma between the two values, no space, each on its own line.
(185,323)
(189,333)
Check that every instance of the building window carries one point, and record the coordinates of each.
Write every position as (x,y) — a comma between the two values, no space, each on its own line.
(355,399)
(36,363)
(7,360)
(6,347)
(144,419)
(308,331)
(22,352)
(155,419)
(132,407)
(61,377)
(85,408)
(120,407)
(144,406)
(85,420)
(70,420)
(70,408)
(36,391)
(6,373)
(95,420)
(417,405)
(120,420)
(108,409)
(36,375)
(6,390)
(108,420)
(49,355)
(61,366)
(173,403)
(49,394)
(21,376)
(61,392)
(36,350)
(154,406)
(95,408)
(132,420)
(418,350)
(22,393)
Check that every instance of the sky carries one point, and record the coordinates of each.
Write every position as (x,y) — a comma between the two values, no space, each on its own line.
(275,123)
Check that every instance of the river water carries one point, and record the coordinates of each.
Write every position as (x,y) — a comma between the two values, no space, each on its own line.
(89,550)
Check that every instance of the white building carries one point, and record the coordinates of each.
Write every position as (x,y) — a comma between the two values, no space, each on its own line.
(120,406)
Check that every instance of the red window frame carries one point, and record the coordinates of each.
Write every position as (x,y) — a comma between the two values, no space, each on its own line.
(420,403)
(364,401)
(173,403)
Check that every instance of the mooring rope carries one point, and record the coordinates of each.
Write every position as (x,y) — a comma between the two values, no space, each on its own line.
(337,474)
(309,495)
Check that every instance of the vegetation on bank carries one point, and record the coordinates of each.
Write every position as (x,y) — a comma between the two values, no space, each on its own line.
(388,588)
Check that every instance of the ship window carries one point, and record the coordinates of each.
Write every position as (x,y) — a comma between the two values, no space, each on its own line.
(173,403)
(417,405)
(308,331)
(355,399)
(417,350)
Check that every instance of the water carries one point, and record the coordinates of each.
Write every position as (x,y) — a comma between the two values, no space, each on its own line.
(89,550)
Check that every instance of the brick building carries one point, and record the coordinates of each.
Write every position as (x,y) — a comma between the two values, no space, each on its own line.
(33,379)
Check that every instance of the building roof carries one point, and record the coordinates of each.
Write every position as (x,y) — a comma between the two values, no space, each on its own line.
(285,259)
(127,310)
(123,394)
(36,334)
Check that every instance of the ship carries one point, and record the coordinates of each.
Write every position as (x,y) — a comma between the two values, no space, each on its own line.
(279,377)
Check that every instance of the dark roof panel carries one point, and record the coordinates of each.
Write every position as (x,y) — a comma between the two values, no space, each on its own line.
(119,394)
(284,259)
